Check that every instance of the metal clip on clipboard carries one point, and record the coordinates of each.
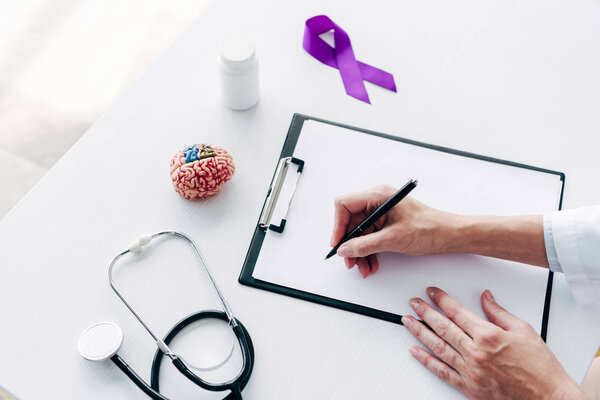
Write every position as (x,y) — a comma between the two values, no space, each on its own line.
(274,192)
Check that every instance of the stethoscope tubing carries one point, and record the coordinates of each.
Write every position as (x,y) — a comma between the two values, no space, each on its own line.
(153,390)
(235,385)
(246,347)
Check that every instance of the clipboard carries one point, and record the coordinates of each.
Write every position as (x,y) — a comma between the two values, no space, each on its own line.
(265,222)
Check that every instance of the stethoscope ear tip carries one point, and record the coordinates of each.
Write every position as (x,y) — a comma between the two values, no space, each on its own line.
(100,341)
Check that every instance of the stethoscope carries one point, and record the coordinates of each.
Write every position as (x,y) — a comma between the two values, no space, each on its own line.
(102,340)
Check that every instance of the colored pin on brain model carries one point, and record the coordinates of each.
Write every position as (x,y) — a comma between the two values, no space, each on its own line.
(199,171)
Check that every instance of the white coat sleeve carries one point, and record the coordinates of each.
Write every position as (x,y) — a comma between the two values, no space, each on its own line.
(572,239)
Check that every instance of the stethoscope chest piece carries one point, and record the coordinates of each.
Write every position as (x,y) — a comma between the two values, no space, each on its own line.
(100,341)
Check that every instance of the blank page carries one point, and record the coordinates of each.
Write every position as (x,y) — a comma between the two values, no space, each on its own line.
(340,160)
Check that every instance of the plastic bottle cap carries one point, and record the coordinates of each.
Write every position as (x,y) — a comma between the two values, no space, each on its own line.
(237,52)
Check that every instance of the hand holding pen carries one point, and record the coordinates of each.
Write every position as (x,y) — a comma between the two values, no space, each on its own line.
(396,230)
(410,227)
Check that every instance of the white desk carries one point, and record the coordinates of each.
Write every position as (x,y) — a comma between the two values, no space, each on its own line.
(504,78)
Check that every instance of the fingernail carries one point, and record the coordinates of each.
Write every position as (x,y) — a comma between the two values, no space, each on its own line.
(414,303)
(413,351)
(489,296)
(407,322)
(363,272)
(430,292)
(344,251)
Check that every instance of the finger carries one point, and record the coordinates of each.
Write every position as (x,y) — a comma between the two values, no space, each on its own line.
(441,325)
(459,314)
(354,203)
(373,262)
(350,262)
(443,371)
(370,198)
(498,314)
(341,218)
(366,245)
(437,345)
(363,266)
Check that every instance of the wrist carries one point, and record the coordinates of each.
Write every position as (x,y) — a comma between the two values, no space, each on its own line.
(451,233)
(475,234)
(455,232)
(566,390)
(519,238)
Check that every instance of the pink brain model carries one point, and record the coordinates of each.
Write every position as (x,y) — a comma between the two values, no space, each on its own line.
(200,171)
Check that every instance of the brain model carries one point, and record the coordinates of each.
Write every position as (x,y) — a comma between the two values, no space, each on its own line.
(200,171)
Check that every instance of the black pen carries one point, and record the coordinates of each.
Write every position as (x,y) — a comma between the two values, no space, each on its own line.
(378,213)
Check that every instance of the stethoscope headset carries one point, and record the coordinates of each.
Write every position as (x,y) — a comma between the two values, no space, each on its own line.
(103,340)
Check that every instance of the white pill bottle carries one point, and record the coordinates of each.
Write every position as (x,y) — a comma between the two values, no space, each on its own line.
(238,72)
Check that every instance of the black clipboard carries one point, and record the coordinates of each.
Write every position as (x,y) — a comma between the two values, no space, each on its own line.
(258,237)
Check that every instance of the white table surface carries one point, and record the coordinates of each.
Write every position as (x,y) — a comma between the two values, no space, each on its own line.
(509,79)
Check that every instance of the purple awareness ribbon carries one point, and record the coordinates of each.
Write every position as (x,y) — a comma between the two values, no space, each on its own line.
(353,72)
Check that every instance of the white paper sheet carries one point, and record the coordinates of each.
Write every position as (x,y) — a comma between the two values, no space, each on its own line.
(340,160)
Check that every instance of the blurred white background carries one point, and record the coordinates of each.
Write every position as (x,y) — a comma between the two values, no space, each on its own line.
(62,63)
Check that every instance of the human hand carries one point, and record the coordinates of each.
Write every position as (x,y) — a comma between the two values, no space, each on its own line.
(410,228)
(500,359)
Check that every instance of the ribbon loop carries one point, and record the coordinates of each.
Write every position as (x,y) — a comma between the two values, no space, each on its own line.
(352,71)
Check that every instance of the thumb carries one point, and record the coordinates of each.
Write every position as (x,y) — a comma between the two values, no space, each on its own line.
(498,314)
(363,246)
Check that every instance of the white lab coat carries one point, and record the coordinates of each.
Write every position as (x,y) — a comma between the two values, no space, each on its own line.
(572,240)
